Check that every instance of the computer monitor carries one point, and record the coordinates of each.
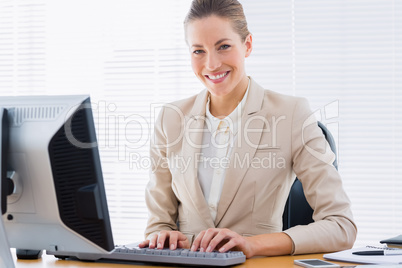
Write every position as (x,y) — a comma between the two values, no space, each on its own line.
(57,201)
(6,259)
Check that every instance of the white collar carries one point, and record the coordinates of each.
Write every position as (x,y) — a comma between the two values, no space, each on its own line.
(232,120)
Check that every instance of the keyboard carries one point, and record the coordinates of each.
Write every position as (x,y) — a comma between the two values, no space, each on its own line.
(178,256)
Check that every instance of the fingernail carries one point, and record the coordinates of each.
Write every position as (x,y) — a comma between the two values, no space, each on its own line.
(159,245)
(201,250)
(151,244)
(193,248)
(209,249)
(222,250)
(171,246)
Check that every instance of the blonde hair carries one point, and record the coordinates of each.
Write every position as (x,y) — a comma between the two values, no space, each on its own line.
(228,9)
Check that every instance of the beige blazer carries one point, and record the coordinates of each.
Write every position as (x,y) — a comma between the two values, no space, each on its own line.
(276,140)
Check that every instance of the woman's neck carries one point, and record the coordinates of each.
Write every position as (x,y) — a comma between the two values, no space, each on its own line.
(222,106)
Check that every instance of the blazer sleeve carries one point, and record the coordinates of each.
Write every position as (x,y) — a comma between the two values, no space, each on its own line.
(333,228)
(159,196)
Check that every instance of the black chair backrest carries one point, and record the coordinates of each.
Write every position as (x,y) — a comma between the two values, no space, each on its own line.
(297,210)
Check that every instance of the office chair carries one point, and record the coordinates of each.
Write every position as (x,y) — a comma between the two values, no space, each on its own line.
(297,210)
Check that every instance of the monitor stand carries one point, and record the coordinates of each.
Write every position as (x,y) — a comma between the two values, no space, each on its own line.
(28,254)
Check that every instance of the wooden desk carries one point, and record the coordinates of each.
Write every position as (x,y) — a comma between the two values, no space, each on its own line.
(50,261)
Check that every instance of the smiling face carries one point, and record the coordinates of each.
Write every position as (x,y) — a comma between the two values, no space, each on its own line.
(217,55)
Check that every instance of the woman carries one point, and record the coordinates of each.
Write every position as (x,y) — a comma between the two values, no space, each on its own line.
(225,159)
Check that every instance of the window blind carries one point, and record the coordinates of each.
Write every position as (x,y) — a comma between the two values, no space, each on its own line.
(130,56)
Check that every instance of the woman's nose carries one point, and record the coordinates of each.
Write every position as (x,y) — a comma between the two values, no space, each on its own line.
(213,62)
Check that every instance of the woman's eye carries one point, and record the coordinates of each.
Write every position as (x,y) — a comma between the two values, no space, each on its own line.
(224,47)
(198,51)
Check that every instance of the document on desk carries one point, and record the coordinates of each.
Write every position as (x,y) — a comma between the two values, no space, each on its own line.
(348,256)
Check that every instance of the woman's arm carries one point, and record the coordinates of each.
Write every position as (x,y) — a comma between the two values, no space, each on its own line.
(333,228)
(160,199)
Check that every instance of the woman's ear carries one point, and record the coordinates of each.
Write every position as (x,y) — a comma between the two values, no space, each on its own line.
(249,45)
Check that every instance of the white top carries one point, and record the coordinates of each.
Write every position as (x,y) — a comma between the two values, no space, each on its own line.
(218,139)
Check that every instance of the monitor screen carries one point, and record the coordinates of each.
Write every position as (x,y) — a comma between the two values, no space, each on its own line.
(58,200)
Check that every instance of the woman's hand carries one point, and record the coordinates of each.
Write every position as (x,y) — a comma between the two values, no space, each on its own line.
(166,239)
(222,240)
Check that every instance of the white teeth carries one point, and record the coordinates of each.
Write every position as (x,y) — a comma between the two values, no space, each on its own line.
(217,77)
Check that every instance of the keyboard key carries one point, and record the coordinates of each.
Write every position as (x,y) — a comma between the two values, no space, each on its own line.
(200,254)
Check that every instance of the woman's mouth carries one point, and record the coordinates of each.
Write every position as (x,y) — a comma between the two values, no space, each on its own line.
(218,77)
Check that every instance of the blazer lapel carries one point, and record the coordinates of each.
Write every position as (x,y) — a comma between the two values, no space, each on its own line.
(247,141)
(192,140)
